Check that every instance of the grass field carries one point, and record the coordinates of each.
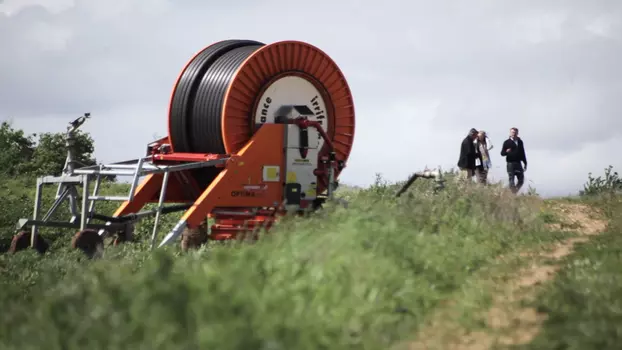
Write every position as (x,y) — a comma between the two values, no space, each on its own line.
(584,302)
(383,273)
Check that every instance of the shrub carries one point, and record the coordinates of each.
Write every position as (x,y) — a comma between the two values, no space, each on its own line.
(610,184)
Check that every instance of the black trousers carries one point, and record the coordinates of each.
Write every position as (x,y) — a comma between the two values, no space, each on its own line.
(515,169)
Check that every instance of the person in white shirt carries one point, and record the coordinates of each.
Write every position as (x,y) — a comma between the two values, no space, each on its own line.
(483,163)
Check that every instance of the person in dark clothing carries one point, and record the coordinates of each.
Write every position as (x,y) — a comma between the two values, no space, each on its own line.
(513,150)
(466,161)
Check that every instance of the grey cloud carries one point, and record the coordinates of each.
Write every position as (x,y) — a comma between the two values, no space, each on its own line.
(430,69)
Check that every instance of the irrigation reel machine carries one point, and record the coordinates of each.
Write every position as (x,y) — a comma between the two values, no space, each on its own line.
(254,131)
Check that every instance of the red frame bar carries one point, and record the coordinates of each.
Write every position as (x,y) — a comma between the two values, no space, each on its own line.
(187,157)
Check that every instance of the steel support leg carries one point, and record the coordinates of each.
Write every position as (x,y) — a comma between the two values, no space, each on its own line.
(159,208)
(73,206)
(59,200)
(175,232)
(85,202)
(139,168)
(35,214)
(98,181)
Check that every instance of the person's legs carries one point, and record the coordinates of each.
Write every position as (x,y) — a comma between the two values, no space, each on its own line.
(461,175)
(520,176)
(465,175)
(480,174)
(469,174)
(484,176)
(515,169)
(510,170)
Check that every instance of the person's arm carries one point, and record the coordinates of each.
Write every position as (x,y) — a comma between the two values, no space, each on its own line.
(463,153)
(465,148)
(523,155)
(489,143)
(504,149)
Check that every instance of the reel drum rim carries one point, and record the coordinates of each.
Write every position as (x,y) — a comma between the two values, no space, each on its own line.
(282,58)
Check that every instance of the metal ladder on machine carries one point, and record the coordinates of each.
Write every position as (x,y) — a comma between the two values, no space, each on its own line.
(83,176)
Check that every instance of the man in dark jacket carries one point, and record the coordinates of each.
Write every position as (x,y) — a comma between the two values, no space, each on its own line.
(466,162)
(513,150)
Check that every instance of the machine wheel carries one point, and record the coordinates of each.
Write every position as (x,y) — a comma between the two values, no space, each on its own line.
(194,238)
(89,242)
(21,241)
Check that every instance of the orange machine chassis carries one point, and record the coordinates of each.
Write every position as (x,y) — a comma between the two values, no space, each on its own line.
(240,199)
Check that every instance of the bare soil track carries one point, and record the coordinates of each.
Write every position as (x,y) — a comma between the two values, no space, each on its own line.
(507,321)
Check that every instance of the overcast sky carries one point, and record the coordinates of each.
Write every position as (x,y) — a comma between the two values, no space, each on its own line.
(422,74)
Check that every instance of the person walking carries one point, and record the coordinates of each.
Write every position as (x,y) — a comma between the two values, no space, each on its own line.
(483,163)
(466,161)
(514,152)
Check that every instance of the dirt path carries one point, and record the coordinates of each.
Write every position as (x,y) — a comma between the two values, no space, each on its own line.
(507,321)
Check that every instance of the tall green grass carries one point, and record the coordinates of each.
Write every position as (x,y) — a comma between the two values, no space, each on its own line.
(356,278)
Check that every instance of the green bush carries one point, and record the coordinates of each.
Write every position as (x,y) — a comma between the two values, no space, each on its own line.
(610,184)
(24,154)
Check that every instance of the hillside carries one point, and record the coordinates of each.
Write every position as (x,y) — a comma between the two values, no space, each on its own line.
(479,264)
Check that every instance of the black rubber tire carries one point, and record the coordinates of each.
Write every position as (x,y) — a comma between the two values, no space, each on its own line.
(21,241)
(88,241)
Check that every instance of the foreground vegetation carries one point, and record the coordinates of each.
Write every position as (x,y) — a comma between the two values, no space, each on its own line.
(365,277)
(584,303)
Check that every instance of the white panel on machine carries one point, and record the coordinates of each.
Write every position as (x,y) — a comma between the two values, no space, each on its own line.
(299,167)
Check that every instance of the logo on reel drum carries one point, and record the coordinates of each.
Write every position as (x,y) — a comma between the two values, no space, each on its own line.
(290,91)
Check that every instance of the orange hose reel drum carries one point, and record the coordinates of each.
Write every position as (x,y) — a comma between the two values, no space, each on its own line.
(229,88)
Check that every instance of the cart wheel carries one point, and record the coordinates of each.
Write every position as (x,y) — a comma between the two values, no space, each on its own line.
(194,238)
(21,241)
(89,242)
